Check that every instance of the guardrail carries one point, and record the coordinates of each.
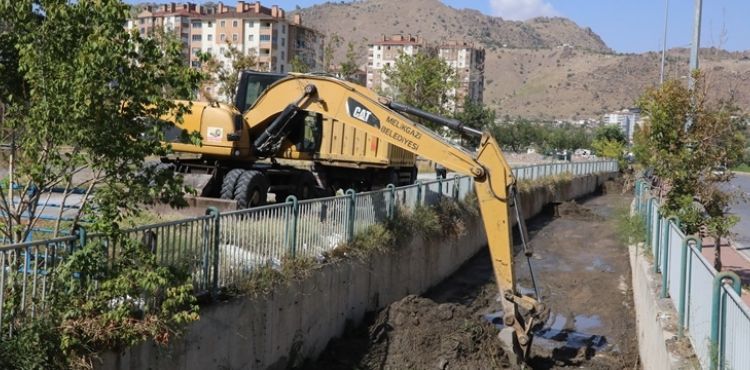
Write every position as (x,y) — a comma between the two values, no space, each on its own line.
(221,249)
(709,306)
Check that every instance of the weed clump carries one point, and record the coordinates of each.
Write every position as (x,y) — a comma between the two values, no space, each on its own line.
(266,278)
(631,228)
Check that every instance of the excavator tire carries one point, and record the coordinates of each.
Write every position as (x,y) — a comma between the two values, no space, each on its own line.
(230,182)
(251,189)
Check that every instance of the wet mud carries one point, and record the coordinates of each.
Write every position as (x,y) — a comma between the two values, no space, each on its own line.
(582,273)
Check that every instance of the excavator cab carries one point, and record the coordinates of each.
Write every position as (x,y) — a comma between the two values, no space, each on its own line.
(251,84)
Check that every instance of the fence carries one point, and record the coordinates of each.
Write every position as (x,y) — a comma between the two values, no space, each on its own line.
(533,172)
(221,249)
(709,306)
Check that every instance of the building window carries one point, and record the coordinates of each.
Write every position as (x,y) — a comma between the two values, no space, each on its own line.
(143,30)
(265,37)
(283,56)
(234,24)
(196,37)
(208,50)
(141,20)
(267,24)
(221,51)
(250,24)
(235,37)
(250,37)
(210,24)
(283,41)
(196,51)
(283,28)
(222,37)
(209,37)
(222,24)
(196,64)
(196,24)
(281,68)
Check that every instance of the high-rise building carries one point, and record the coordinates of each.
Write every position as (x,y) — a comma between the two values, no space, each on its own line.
(384,52)
(468,62)
(251,28)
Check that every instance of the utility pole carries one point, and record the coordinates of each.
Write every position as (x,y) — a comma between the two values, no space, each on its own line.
(695,46)
(664,42)
(694,54)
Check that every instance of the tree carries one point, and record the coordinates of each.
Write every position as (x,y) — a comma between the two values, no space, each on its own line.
(565,137)
(518,135)
(349,66)
(329,51)
(609,142)
(476,115)
(299,65)
(610,133)
(421,80)
(83,99)
(686,159)
(226,76)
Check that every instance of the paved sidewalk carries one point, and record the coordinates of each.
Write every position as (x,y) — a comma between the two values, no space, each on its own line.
(731,260)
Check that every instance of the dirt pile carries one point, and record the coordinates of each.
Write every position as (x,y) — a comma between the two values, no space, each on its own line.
(418,333)
(575,211)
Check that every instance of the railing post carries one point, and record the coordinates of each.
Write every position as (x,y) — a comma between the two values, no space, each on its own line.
(82,237)
(351,213)
(658,240)
(718,314)
(683,283)
(665,257)
(638,195)
(291,225)
(392,204)
(456,188)
(419,193)
(440,188)
(216,232)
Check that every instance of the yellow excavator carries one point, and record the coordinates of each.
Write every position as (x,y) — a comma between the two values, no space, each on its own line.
(267,127)
(311,155)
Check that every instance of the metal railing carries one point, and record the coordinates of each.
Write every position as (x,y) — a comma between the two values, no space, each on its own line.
(219,250)
(533,172)
(710,310)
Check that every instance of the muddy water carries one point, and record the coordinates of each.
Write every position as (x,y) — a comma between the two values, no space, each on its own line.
(582,272)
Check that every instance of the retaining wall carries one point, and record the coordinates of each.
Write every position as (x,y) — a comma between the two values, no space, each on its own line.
(656,320)
(297,321)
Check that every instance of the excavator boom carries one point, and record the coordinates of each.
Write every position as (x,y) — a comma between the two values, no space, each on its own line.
(493,178)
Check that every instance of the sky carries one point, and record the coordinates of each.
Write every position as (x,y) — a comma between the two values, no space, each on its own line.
(624,25)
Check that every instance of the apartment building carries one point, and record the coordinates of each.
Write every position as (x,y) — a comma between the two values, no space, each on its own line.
(466,59)
(384,52)
(468,62)
(249,27)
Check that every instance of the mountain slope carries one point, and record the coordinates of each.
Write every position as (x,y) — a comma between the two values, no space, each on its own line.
(545,67)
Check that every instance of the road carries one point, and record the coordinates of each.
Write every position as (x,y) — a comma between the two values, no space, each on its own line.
(741,182)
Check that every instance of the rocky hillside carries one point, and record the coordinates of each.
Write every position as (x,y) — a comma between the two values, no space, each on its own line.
(544,67)
(366,20)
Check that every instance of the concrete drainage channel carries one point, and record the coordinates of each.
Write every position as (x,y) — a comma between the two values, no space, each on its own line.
(297,321)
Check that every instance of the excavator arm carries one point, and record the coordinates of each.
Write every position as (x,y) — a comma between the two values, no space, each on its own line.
(493,178)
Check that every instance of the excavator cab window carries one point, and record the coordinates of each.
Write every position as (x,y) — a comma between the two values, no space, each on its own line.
(307,135)
(251,86)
